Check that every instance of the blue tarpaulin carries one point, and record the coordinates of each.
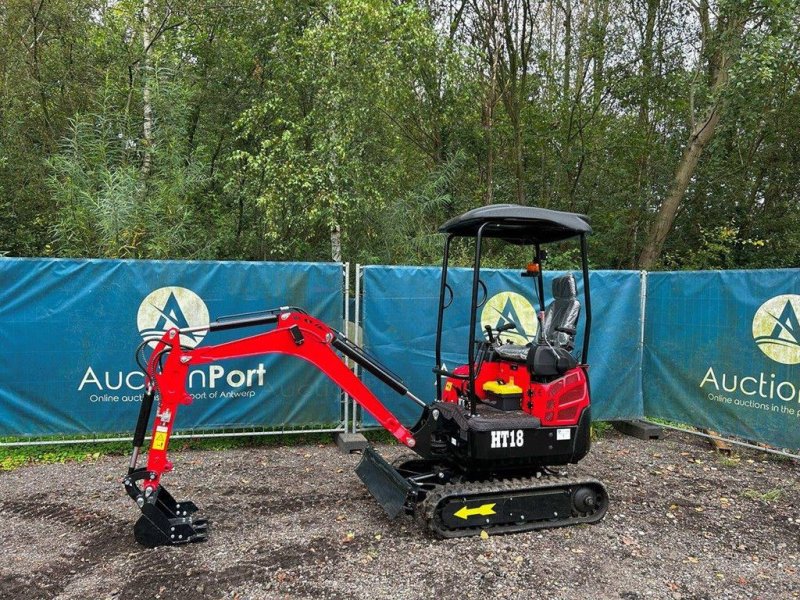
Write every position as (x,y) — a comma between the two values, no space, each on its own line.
(717,349)
(69,328)
(723,351)
(399,324)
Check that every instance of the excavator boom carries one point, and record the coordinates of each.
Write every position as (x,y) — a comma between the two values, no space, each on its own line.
(459,455)
(295,334)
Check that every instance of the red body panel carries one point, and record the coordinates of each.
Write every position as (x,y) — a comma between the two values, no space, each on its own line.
(557,403)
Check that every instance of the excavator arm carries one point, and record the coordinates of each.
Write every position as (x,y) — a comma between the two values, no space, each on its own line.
(166,521)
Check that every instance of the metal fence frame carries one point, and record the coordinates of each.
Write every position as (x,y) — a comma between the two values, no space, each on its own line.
(357,424)
(350,411)
(233,431)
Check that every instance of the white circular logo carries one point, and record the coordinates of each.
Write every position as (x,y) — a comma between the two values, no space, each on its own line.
(776,329)
(510,307)
(169,307)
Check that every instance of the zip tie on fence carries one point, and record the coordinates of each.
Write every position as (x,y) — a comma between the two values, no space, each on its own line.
(730,441)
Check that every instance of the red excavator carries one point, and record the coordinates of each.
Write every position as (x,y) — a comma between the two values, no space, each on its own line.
(482,450)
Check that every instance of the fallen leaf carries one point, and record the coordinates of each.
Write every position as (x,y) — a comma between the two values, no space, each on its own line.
(484,535)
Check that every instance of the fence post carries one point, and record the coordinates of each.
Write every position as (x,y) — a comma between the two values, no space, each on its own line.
(345,325)
(356,333)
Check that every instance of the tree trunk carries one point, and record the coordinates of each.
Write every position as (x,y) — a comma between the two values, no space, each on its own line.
(336,243)
(567,48)
(147,106)
(701,136)
(638,212)
(519,165)
(730,29)
(599,29)
(488,39)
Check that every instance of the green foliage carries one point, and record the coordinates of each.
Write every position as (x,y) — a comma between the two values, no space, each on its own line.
(719,248)
(767,496)
(732,461)
(281,129)
(600,429)
(108,207)
(14,457)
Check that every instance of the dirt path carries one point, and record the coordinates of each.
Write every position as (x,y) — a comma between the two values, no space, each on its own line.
(295,522)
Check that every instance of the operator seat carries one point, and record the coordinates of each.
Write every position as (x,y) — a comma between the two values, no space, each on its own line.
(561,316)
(560,323)
(551,356)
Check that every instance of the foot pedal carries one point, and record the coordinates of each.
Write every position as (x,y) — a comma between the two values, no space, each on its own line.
(383,481)
(167,522)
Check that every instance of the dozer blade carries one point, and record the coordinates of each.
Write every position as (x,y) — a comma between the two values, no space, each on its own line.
(386,485)
(165,522)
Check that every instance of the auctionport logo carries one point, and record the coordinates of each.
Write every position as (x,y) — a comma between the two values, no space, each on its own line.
(776,329)
(510,307)
(169,307)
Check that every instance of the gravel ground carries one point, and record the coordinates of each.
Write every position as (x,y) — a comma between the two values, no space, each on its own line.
(295,522)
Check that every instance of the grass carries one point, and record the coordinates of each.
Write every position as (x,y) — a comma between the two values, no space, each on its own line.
(772,495)
(731,461)
(14,457)
(600,429)
(18,456)
(667,422)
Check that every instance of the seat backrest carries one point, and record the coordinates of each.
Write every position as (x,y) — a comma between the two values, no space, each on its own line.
(562,312)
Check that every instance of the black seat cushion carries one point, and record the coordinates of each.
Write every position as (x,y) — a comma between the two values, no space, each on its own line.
(512,352)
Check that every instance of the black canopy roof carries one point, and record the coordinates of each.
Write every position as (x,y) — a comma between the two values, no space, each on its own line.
(519,224)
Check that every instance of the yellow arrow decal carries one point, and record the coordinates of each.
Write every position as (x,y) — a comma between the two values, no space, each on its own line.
(483,510)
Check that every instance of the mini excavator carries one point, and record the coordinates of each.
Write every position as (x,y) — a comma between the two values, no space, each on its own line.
(482,450)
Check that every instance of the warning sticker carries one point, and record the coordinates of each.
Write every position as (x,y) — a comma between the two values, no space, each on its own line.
(562,434)
(159,441)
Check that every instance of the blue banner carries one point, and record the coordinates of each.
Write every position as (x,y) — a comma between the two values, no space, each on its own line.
(69,328)
(722,351)
(399,320)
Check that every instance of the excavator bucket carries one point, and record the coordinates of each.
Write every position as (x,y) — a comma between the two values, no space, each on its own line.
(165,522)
(383,481)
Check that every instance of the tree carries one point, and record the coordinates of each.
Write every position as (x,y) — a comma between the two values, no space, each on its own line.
(721,43)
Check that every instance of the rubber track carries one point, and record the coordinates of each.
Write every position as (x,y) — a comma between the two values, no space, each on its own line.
(428,511)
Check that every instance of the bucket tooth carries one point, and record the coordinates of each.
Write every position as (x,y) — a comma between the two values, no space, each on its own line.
(384,482)
(166,522)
